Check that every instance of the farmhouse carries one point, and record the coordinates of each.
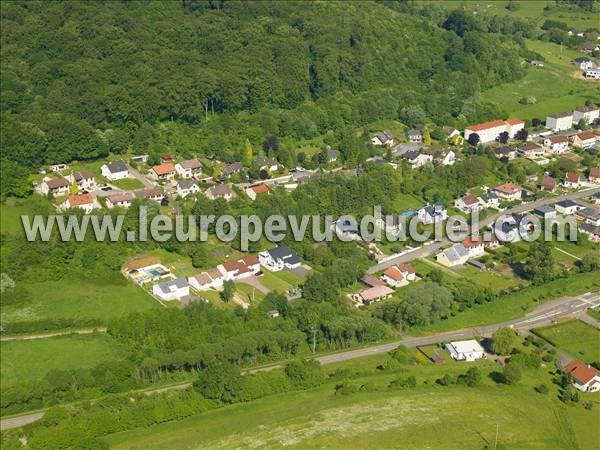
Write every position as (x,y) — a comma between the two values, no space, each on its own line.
(122,199)
(224,191)
(589,113)
(559,121)
(469,350)
(572,180)
(153,193)
(84,180)
(54,186)
(373,294)
(585,377)
(162,172)
(432,213)
(585,139)
(453,256)
(115,170)
(255,191)
(384,138)
(548,184)
(189,168)
(508,191)
(489,131)
(467,204)
(279,258)
(82,201)
(172,290)
(211,279)
(557,144)
(242,268)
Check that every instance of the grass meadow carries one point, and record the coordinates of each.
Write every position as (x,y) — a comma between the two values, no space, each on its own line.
(575,337)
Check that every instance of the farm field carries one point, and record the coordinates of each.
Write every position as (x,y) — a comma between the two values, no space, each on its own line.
(575,337)
(29,360)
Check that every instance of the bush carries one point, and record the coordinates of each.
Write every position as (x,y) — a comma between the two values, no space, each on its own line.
(542,389)
(402,383)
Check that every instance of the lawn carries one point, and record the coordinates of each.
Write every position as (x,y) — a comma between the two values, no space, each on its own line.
(489,278)
(403,202)
(128,184)
(274,282)
(12,210)
(29,360)
(249,293)
(595,313)
(575,337)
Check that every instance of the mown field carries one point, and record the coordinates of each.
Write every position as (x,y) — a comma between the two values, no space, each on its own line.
(580,340)
(29,360)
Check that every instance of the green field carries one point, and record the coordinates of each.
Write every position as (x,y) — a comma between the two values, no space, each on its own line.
(595,313)
(279,281)
(29,360)
(575,337)
(128,184)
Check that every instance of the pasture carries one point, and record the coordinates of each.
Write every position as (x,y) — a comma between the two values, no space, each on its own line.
(577,338)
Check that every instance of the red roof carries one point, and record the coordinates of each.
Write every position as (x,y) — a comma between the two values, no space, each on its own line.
(470,199)
(581,372)
(508,188)
(558,139)
(164,169)
(572,177)
(394,273)
(486,125)
(470,242)
(406,268)
(595,172)
(83,199)
(530,147)
(548,183)
(514,121)
(57,182)
(260,189)
(586,135)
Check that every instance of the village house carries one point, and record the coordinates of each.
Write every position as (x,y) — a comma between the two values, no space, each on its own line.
(188,169)
(592,73)
(399,275)
(537,63)
(556,144)
(331,156)
(240,269)
(475,246)
(589,47)
(572,180)
(224,191)
(577,33)
(186,187)
(172,290)
(210,279)
(162,172)
(584,139)
(384,138)
(255,191)
(153,193)
(414,136)
(559,121)
(84,180)
(432,213)
(467,204)
(489,200)
(453,256)
(373,294)
(452,135)
(594,175)
(591,231)
(548,184)
(585,377)
(140,159)
(122,199)
(469,350)
(115,170)
(55,186)
(416,159)
(505,152)
(531,150)
(82,201)
(489,131)
(58,167)
(144,269)
(508,191)
(590,215)
(589,113)
(568,207)
(444,156)
(269,164)
(583,63)
(595,199)
(545,212)
(279,258)
(229,170)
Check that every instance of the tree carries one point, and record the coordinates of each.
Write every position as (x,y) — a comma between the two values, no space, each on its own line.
(583,124)
(512,6)
(228,290)
(503,137)
(472,378)
(522,134)
(426,137)
(535,122)
(511,373)
(539,264)
(503,341)
(248,155)
(473,139)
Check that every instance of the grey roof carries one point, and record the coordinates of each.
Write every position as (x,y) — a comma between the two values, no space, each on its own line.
(434,210)
(567,203)
(384,136)
(185,184)
(456,252)
(582,59)
(269,162)
(585,109)
(230,169)
(590,212)
(190,164)
(414,133)
(148,192)
(220,190)
(588,228)
(559,115)
(411,155)
(346,226)
(543,210)
(503,150)
(489,195)
(331,155)
(283,252)
(171,285)
(116,166)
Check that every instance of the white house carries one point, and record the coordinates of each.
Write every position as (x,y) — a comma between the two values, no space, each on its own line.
(445,156)
(172,290)
(545,212)
(122,199)
(592,73)
(162,172)
(469,350)
(115,170)
(432,213)
(489,131)
(211,279)
(269,164)
(84,180)
(399,275)
(82,201)
(186,187)
(58,167)
(414,136)
(475,246)
(556,144)
(489,200)
(585,377)
(531,150)
(189,168)
(559,121)
(255,191)
(385,138)
(568,207)
(55,186)
(584,63)
(416,159)
(467,204)
(279,258)
(453,256)
(242,268)
(508,191)
(584,139)
(589,113)
(572,180)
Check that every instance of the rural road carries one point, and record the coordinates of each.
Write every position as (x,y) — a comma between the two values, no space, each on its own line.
(545,314)
(28,337)
(434,247)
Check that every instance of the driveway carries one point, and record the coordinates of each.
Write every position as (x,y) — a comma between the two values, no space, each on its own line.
(141,177)
(255,283)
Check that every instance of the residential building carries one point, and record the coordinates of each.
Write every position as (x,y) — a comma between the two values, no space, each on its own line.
(513,126)
(231,169)
(279,258)
(589,113)
(589,47)
(122,199)
(469,350)
(414,136)
(153,193)
(594,175)
(592,231)
(572,180)
(84,180)
(384,138)
(453,256)
(172,290)
(140,159)
(188,169)
(331,155)
(467,204)
(559,121)
(545,212)
(55,186)
(210,279)
(187,187)
(531,150)
(577,33)
(254,191)
(508,191)
(240,269)
(557,144)
(592,73)
(489,200)
(115,170)
(162,172)
(82,201)
(548,184)
(589,215)
(595,199)
(489,131)
(452,135)
(585,139)
(224,191)
(505,152)
(584,63)
(568,207)
(373,294)
(269,164)
(432,213)
(537,63)
(444,156)
(475,246)
(585,377)
(58,167)
(399,275)
(416,159)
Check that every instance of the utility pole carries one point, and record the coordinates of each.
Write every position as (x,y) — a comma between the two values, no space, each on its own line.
(314,332)
(496,440)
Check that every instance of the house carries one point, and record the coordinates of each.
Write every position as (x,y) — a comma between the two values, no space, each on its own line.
(514,227)
(513,126)
(115,170)
(469,350)
(583,63)
(572,180)
(414,136)
(475,246)
(487,131)
(186,187)
(592,73)
(255,191)
(58,167)
(399,275)
(453,256)
(589,113)
(143,269)
(576,33)
(242,268)
(445,156)
(590,215)
(592,231)
(504,152)
(153,193)
(279,258)
(82,201)
(548,184)
(594,175)
(585,377)
(559,121)
(568,207)
(467,204)
(211,279)
(140,159)
(373,294)
(231,169)
(384,138)
(432,213)
(84,180)
(224,191)
(172,290)
(162,172)
(452,135)
(269,164)
(55,186)
(531,150)
(416,159)
(589,47)
(489,200)
(537,63)
(122,199)
(331,156)
(595,199)
(545,212)
(371,281)
(556,144)
(508,191)
(584,139)
(189,168)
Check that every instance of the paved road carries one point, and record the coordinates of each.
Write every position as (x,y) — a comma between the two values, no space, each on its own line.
(545,314)
(434,247)
(141,177)
(28,337)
